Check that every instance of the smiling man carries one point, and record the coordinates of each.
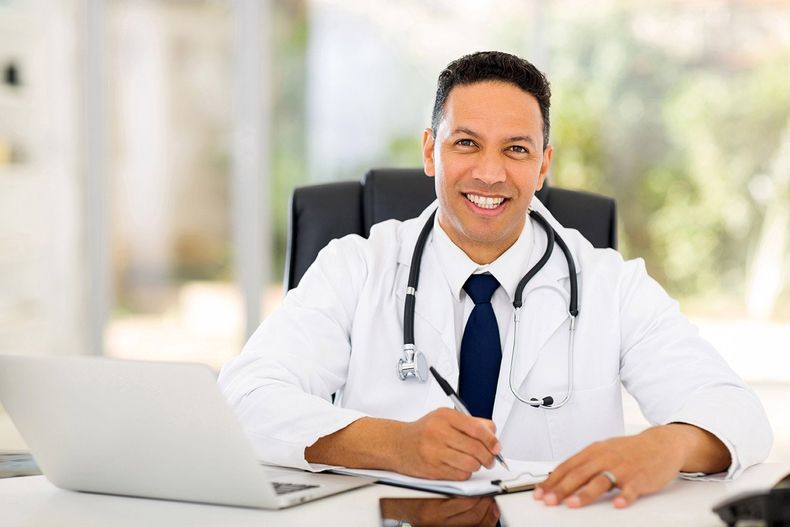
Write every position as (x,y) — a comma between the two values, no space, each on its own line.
(340,332)
(487,170)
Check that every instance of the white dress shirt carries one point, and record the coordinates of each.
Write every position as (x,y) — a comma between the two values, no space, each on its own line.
(508,269)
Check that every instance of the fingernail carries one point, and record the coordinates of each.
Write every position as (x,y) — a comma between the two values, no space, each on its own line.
(497,448)
(619,502)
(550,499)
(538,493)
(573,501)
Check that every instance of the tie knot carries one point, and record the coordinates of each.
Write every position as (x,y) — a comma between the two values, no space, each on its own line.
(481,287)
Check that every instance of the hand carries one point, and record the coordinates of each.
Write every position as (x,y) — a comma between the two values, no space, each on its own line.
(642,464)
(446,444)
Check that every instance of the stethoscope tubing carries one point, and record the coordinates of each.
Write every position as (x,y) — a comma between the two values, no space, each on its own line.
(408,367)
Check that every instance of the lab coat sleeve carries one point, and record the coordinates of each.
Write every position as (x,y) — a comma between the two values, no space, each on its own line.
(281,384)
(677,376)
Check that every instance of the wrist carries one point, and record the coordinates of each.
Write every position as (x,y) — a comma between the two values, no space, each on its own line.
(677,442)
(385,443)
(371,442)
(698,449)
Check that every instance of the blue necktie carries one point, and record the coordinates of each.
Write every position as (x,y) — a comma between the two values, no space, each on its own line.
(481,351)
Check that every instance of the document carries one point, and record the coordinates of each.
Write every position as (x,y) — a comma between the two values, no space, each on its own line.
(523,475)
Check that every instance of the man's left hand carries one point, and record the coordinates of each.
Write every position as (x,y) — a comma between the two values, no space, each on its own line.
(637,465)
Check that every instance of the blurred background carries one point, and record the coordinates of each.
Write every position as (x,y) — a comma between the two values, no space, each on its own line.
(148,149)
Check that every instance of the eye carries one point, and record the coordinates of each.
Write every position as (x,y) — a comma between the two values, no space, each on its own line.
(465,142)
(518,149)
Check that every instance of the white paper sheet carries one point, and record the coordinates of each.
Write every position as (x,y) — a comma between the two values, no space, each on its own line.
(521,472)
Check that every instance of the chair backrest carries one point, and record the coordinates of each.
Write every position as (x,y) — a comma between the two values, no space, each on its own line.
(320,213)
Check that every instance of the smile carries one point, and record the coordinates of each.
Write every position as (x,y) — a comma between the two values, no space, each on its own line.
(485,202)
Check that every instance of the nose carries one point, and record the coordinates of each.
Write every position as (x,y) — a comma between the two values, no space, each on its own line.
(490,169)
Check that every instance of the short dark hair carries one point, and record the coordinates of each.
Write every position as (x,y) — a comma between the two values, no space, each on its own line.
(493,66)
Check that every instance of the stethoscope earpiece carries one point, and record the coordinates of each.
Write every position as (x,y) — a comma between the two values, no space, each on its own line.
(546,402)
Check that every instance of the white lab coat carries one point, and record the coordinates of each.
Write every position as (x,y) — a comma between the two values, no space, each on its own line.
(340,331)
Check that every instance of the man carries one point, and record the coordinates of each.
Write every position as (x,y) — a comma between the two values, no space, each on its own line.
(340,332)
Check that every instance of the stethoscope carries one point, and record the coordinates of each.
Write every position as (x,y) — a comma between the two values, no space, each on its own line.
(414,364)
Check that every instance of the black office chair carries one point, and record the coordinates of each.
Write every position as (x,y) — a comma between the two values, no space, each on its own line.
(320,213)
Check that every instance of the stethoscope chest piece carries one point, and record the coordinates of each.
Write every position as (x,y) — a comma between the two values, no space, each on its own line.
(414,365)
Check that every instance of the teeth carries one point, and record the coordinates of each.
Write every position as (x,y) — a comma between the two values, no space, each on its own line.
(484,202)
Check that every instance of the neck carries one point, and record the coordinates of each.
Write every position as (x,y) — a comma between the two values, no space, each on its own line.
(481,252)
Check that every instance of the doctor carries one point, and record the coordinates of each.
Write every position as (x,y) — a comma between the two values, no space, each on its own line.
(341,332)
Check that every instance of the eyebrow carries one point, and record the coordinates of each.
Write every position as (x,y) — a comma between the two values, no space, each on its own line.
(525,138)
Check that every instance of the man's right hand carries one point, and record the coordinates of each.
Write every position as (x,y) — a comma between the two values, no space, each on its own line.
(444,444)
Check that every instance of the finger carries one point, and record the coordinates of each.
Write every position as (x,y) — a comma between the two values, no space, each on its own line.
(441,470)
(460,455)
(452,473)
(570,483)
(489,424)
(590,492)
(482,430)
(563,469)
(627,496)
(472,446)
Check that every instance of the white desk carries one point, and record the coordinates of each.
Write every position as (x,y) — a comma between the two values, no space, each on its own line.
(33,501)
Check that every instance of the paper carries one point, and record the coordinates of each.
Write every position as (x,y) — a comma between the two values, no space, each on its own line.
(521,473)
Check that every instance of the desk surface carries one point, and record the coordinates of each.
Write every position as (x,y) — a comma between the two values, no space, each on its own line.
(34,501)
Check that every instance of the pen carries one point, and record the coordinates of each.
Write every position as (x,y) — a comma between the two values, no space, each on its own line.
(459,405)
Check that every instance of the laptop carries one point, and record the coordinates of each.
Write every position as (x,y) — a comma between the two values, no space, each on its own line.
(146,429)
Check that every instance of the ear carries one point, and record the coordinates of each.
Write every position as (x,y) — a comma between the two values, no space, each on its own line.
(427,153)
(544,166)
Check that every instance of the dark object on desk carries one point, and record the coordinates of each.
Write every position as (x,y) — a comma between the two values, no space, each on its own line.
(320,213)
(13,464)
(11,75)
(771,509)
(423,512)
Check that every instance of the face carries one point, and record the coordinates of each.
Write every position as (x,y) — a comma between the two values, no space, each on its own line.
(488,161)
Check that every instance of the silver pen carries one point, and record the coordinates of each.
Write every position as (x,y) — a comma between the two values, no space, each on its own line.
(459,405)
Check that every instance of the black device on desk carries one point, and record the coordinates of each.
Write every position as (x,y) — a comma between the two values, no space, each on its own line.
(771,508)
(476,511)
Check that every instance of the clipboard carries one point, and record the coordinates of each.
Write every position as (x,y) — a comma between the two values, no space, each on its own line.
(513,487)
(523,476)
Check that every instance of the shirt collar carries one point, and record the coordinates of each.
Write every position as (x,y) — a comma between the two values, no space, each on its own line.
(508,269)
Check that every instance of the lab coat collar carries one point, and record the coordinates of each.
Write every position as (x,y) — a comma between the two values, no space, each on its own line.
(545,304)
(544,311)
(433,300)
(457,266)
(411,231)
(556,269)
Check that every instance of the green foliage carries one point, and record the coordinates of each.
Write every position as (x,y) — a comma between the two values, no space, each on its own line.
(679,136)
(675,142)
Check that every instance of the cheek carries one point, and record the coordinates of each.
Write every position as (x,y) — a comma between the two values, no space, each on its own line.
(526,180)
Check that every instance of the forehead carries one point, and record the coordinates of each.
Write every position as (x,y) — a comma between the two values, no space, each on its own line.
(492,106)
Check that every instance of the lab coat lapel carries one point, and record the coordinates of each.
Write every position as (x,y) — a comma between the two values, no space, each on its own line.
(544,310)
(433,306)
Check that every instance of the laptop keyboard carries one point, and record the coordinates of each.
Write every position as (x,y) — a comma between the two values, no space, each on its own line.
(287,488)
